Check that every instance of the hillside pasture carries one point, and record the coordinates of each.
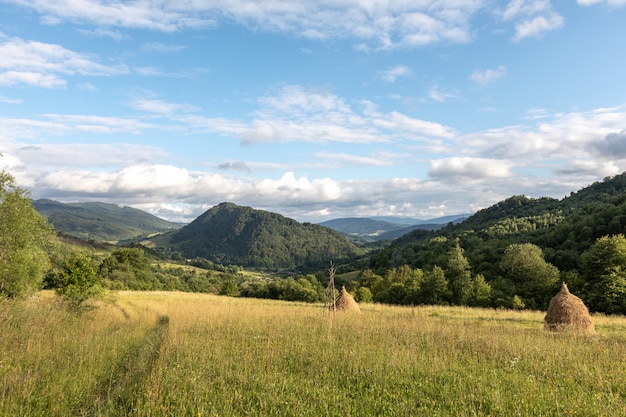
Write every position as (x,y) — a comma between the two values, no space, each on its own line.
(182,354)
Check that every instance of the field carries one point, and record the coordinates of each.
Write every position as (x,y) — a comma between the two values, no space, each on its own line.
(179,354)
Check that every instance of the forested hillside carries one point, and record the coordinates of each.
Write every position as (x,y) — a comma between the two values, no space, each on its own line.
(514,254)
(100,222)
(231,234)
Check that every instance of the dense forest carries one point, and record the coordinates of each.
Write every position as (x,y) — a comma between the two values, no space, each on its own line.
(231,234)
(518,251)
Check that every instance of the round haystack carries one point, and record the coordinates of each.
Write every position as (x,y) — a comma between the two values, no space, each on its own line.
(566,312)
(345,302)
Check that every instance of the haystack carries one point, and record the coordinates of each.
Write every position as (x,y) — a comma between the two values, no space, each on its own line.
(566,312)
(345,302)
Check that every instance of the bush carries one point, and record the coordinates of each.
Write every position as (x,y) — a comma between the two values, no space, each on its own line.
(78,281)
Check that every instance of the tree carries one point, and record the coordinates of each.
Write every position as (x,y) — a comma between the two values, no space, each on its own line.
(25,239)
(534,278)
(78,281)
(604,269)
(229,288)
(459,275)
(434,289)
(128,268)
(479,294)
(363,295)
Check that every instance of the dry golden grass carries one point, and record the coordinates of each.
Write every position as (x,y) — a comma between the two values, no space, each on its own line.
(179,354)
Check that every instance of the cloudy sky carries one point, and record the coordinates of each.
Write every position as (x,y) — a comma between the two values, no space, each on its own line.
(314,109)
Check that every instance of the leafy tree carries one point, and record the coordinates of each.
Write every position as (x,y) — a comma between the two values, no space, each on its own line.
(434,289)
(25,238)
(395,294)
(479,292)
(459,275)
(363,295)
(129,268)
(229,288)
(604,267)
(78,281)
(534,278)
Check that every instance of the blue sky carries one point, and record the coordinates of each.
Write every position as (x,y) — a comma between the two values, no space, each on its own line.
(311,109)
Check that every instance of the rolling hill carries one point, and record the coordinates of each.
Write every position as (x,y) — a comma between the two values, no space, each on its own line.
(232,234)
(101,222)
(386,227)
(564,229)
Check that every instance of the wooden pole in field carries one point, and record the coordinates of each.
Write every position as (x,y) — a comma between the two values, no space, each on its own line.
(330,291)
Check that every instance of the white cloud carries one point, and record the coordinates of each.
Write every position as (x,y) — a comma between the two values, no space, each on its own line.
(379,24)
(10,78)
(469,169)
(43,64)
(161,107)
(162,48)
(435,93)
(488,76)
(392,74)
(99,124)
(104,33)
(7,100)
(575,145)
(537,26)
(612,146)
(344,159)
(609,2)
(533,18)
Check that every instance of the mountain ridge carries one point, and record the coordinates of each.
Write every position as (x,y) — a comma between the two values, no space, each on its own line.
(232,234)
(104,222)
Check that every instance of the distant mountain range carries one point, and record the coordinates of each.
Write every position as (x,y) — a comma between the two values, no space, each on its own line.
(386,227)
(101,222)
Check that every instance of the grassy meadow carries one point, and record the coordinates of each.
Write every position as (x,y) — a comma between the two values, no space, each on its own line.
(182,354)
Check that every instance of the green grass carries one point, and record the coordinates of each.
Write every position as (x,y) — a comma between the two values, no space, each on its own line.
(175,354)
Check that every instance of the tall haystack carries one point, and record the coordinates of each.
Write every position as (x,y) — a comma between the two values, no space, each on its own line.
(345,302)
(566,312)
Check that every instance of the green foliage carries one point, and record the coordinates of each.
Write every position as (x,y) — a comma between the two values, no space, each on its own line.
(459,275)
(434,289)
(307,289)
(100,222)
(563,230)
(25,239)
(363,295)
(78,281)
(229,288)
(128,268)
(230,234)
(604,267)
(479,292)
(533,277)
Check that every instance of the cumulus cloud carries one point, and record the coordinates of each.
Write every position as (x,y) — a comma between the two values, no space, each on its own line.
(612,146)
(563,136)
(378,24)
(469,169)
(44,65)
